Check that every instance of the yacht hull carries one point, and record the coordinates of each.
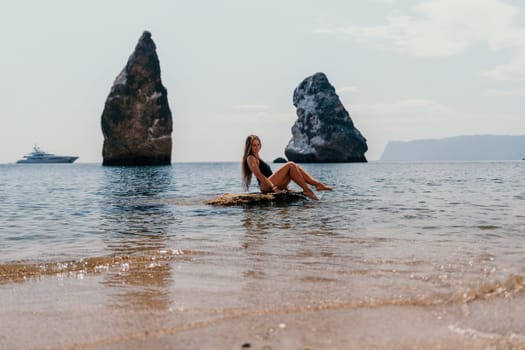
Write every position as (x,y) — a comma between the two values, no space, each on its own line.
(57,160)
(40,157)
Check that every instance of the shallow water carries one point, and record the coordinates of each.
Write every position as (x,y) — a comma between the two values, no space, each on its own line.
(389,233)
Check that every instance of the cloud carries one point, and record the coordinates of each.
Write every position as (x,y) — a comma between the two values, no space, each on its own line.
(258,114)
(448,27)
(412,110)
(505,93)
(512,70)
(346,90)
(257,107)
(252,110)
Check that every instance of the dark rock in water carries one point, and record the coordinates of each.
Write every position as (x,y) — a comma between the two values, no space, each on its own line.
(231,199)
(279,160)
(324,131)
(136,121)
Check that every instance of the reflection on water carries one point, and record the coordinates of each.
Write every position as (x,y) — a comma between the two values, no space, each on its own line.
(133,217)
(289,250)
(135,221)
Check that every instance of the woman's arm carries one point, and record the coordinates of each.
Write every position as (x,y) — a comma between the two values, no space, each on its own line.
(253,164)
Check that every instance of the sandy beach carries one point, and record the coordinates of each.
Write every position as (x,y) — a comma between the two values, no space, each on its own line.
(136,305)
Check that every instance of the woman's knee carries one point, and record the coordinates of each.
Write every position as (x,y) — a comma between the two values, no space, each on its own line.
(291,165)
(295,166)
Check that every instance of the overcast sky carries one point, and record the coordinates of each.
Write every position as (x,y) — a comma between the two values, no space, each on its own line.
(404,69)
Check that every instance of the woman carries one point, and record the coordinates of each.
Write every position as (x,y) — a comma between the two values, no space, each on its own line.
(278,181)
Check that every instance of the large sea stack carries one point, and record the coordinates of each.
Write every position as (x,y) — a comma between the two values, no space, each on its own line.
(136,121)
(324,131)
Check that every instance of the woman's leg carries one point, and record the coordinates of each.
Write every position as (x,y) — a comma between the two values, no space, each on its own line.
(288,172)
(319,186)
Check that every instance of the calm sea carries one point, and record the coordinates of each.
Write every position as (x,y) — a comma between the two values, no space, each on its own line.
(416,232)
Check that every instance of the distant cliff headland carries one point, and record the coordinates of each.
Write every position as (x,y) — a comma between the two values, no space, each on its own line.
(474,147)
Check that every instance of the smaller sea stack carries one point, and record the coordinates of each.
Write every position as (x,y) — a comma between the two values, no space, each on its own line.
(324,131)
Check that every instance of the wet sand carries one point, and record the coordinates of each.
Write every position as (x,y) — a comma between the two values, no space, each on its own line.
(176,304)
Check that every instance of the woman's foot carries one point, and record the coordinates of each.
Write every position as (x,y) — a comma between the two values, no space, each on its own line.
(311,194)
(322,187)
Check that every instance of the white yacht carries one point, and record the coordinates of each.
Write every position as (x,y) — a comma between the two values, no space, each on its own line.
(39,156)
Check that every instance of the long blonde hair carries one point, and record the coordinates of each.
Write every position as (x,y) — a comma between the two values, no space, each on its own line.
(246,172)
